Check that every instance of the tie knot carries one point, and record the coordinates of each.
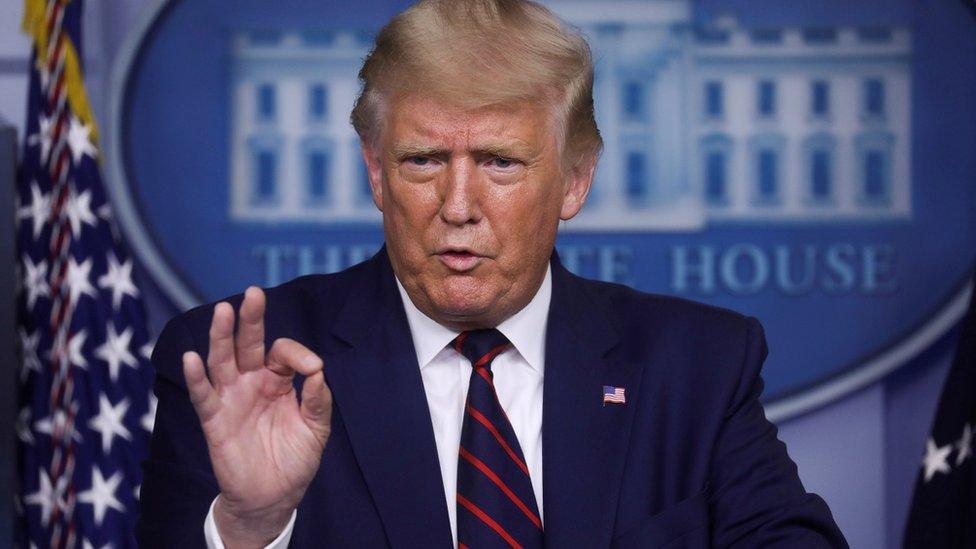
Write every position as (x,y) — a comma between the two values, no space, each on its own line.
(481,346)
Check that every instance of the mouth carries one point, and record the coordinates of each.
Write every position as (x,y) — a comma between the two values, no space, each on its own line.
(460,259)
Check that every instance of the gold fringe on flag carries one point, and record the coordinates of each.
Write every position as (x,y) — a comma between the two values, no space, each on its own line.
(35,25)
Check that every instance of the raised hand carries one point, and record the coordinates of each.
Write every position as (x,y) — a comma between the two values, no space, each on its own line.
(265,447)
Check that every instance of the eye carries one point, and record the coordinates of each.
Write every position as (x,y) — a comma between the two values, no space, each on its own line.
(418,161)
(503,163)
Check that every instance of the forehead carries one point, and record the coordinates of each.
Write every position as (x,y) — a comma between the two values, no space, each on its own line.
(428,121)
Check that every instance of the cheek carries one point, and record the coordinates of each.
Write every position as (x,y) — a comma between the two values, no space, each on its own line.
(528,223)
(411,208)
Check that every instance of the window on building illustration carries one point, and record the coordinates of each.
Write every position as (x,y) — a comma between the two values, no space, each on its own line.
(714,100)
(766,36)
(875,184)
(820,98)
(874,35)
(767,167)
(317,101)
(715,177)
(636,175)
(265,37)
(633,99)
(766,98)
(874,97)
(711,36)
(318,37)
(819,35)
(266,176)
(317,186)
(820,182)
(267,101)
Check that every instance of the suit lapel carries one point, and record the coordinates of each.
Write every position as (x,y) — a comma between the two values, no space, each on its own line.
(584,443)
(379,392)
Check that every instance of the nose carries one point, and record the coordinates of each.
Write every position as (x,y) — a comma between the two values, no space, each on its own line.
(461,194)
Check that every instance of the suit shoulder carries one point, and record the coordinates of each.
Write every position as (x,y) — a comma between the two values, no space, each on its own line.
(319,292)
(630,306)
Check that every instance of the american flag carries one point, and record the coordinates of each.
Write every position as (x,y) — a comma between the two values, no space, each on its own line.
(86,411)
(614,395)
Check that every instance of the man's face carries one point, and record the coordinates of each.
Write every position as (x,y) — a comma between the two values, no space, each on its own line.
(471,201)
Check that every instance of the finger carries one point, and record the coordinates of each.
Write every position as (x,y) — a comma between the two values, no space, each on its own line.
(249,344)
(317,404)
(288,356)
(220,359)
(202,394)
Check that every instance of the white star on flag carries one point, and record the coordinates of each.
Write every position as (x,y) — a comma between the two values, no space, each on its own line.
(105,212)
(38,210)
(147,349)
(101,495)
(42,72)
(45,496)
(86,544)
(149,420)
(42,137)
(79,140)
(28,350)
(22,425)
(58,423)
(964,446)
(35,280)
(119,279)
(75,355)
(115,351)
(108,422)
(936,459)
(79,211)
(77,279)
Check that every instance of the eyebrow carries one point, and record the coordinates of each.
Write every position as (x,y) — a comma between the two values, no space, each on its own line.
(407,150)
(516,148)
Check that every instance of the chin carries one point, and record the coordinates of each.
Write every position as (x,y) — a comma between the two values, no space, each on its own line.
(467,300)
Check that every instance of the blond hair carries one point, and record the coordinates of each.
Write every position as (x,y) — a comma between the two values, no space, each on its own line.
(473,53)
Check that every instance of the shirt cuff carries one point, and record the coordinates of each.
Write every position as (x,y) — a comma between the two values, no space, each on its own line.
(213,536)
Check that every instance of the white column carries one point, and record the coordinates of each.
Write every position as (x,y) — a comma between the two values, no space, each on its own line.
(345,170)
(611,193)
(291,127)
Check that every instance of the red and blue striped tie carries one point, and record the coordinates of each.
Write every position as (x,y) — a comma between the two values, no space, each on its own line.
(496,506)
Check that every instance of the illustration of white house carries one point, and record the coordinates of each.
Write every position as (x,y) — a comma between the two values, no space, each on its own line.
(703,123)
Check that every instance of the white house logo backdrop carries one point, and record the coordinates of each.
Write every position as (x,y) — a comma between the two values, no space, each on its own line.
(806,164)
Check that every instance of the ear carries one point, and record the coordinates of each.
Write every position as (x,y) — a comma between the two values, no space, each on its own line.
(577,187)
(372,156)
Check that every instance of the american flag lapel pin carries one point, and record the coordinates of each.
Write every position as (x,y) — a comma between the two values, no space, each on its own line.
(613,395)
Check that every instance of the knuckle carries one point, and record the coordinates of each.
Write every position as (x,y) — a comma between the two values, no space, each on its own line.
(281,345)
(312,361)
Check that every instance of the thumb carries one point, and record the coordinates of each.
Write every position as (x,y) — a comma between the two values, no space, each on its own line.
(316,405)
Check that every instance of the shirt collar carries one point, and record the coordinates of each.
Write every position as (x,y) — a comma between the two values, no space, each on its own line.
(526,329)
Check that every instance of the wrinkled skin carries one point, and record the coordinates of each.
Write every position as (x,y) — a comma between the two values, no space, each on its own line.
(471,202)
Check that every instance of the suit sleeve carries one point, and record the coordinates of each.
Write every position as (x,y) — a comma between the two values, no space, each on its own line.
(757,498)
(178,481)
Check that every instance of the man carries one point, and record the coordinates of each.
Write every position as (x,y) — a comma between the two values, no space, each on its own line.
(461,388)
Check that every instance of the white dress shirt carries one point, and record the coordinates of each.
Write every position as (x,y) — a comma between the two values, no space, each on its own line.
(517,378)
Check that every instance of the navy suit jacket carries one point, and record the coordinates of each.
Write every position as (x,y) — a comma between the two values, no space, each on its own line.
(688,461)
